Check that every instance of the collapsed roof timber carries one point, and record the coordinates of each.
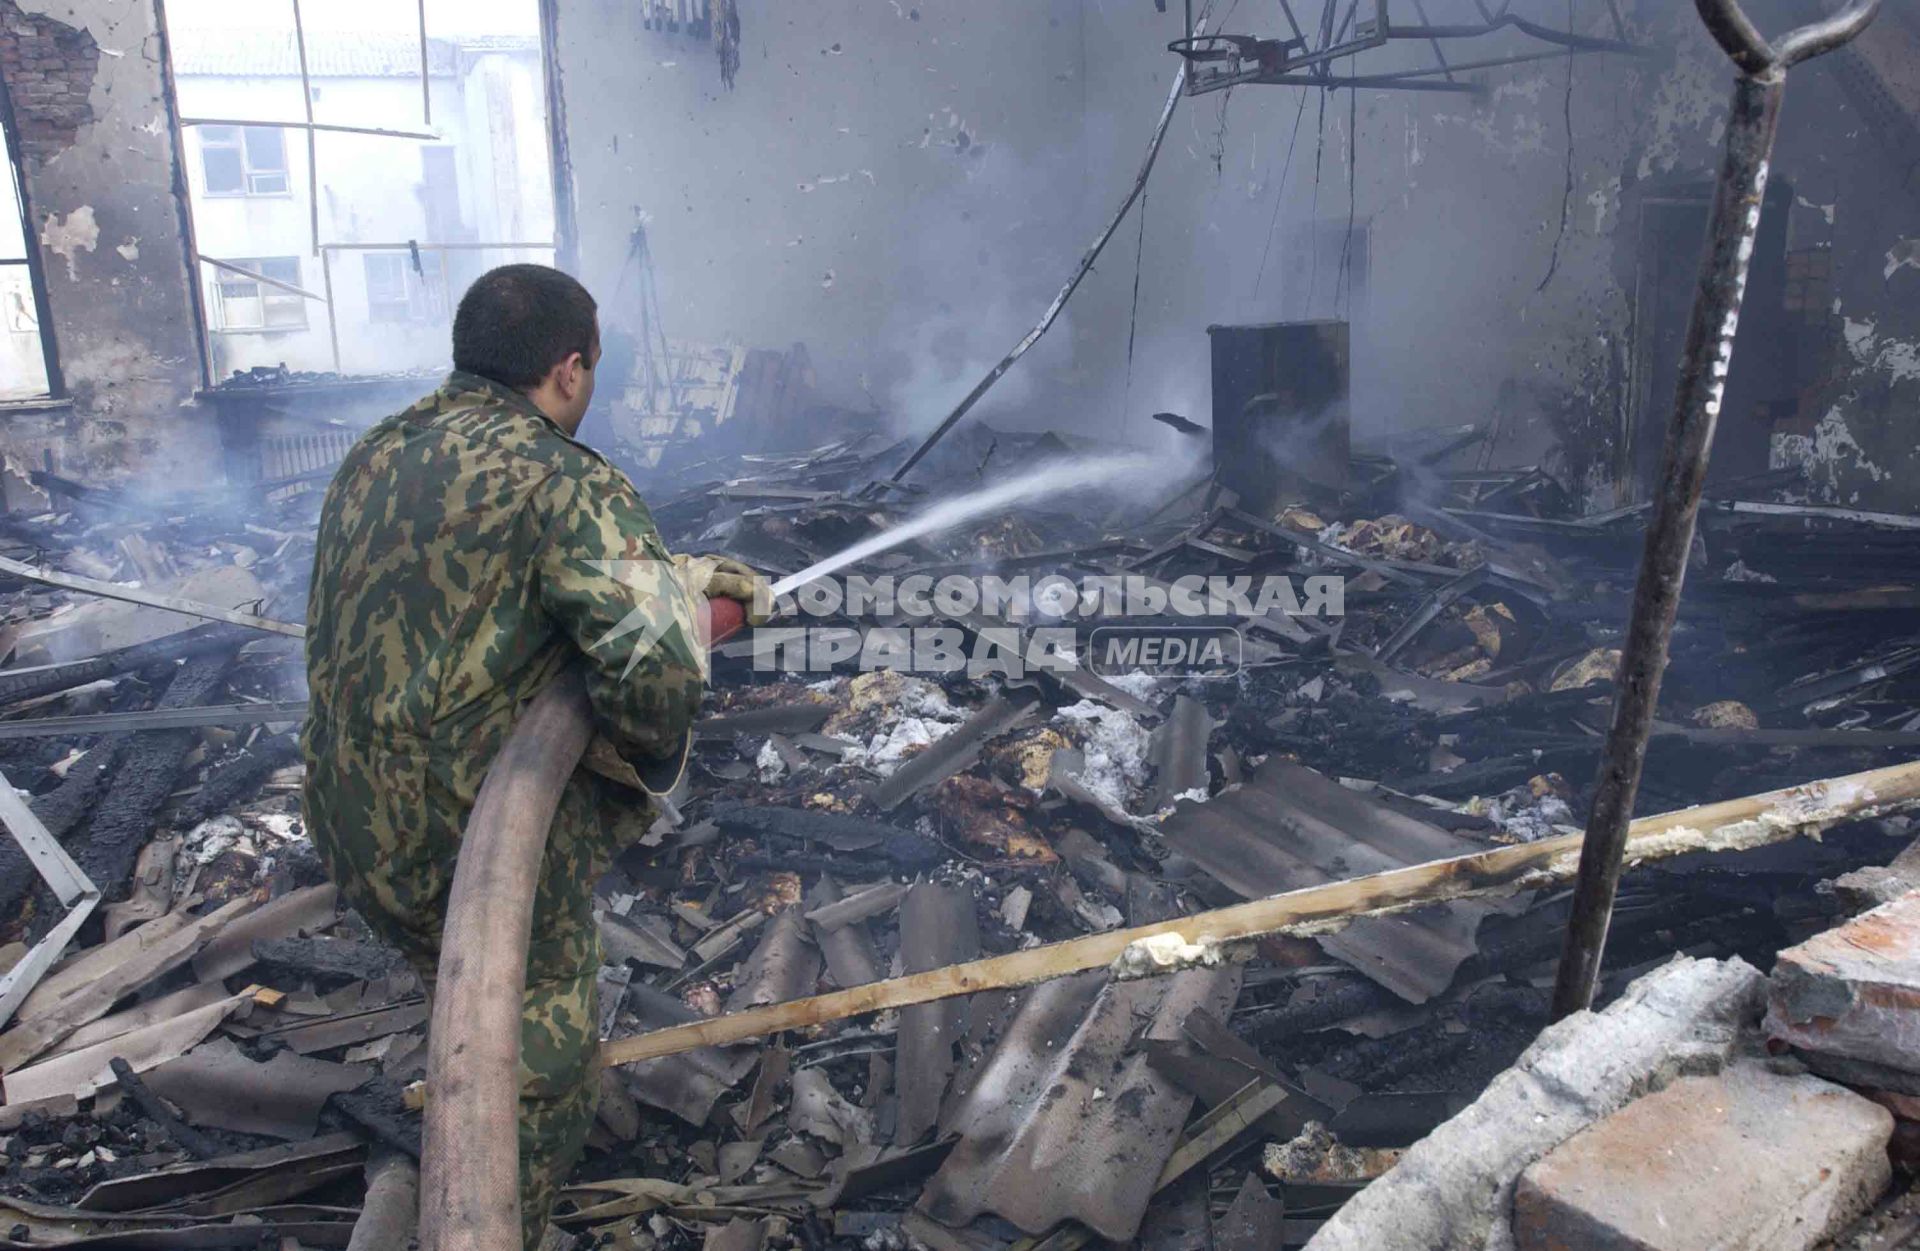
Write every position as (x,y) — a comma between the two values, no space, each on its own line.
(1361,697)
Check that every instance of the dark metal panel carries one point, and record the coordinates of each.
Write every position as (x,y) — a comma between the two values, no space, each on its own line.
(1288,827)
(1280,410)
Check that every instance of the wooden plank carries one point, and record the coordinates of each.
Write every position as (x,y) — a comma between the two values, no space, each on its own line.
(1733,825)
(92,1001)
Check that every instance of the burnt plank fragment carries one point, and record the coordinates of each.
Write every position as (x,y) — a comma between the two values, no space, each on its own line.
(47,679)
(64,807)
(156,1109)
(60,810)
(339,958)
(236,780)
(842,833)
(120,824)
(379,1108)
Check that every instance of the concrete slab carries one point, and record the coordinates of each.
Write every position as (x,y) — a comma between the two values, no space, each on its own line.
(1849,998)
(1748,1160)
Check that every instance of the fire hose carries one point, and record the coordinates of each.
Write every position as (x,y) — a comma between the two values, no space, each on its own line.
(470,1150)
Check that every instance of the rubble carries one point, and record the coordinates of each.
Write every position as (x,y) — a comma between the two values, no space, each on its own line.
(838,830)
(1241,929)
(1456,1184)
(1843,999)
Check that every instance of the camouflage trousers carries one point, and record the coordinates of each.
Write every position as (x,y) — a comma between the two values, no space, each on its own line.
(559,1019)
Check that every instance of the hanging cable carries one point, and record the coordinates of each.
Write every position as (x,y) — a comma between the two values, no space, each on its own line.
(1073,283)
(1279,196)
(1133,323)
(1313,210)
(1566,194)
(1353,160)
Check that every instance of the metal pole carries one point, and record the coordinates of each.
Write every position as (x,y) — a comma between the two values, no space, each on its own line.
(306,102)
(333,321)
(329,127)
(1735,224)
(426,81)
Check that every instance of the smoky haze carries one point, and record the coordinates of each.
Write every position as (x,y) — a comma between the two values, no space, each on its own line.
(904,190)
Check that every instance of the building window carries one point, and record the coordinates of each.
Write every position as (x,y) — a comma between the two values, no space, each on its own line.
(241,303)
(25,363)
(426,166)
(244,160)
(396,293)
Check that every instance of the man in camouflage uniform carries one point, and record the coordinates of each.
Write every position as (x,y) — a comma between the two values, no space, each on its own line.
(462,562)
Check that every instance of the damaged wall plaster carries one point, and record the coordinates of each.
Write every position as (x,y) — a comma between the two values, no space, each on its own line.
(898,186)
(905,188)
(48,67)
(987,152)
(65,239)
(100,166)
(878,183)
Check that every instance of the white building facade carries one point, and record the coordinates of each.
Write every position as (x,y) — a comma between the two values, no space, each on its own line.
(403,223)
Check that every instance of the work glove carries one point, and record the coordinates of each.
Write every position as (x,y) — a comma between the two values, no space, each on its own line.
(719,577)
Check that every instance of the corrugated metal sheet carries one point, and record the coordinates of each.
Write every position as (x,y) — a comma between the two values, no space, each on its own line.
(1288,827)
(1180,751)
(937,928)
(1067,1119)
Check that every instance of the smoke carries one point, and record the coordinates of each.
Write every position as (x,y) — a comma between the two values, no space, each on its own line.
(972,282)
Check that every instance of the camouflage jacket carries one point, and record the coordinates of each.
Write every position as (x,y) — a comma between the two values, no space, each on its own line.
(468,551)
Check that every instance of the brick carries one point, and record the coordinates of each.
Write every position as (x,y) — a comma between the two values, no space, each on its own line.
(1749,1160)
(1848,999)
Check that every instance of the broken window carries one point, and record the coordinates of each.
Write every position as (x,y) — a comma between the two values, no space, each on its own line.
(396,293)
(244,303)
(25,366)
(244,160)
(373,162)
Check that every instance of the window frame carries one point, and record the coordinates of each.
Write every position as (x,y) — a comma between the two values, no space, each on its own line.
(267,297)
(240,146)
(417,291)
(431,301)
(56,391)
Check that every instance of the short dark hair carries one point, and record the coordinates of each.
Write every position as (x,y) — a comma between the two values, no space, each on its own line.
(517,322)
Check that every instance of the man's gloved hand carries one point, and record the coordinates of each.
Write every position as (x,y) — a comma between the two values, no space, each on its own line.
(719,577)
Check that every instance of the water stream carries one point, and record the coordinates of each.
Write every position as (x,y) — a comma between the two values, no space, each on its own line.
(1048,480)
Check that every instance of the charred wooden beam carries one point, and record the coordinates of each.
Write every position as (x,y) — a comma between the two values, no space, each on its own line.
(122,822)
(154,1108)
(1736,824)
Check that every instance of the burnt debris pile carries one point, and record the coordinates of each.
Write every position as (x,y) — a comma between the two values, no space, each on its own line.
(1416,668)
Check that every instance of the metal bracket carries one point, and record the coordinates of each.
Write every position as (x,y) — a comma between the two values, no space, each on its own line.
(1735,32)
(70,886)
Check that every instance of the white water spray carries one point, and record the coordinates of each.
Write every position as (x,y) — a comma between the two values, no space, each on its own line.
(1047,480)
